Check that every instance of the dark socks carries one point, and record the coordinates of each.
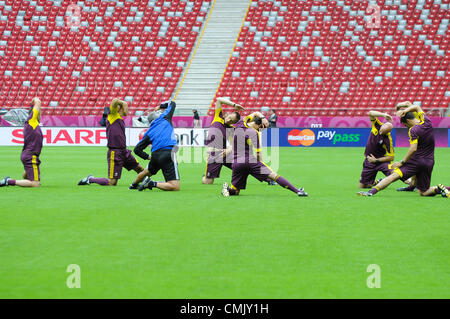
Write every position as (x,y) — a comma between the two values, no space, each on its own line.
(285,184)
(12,182)
(100,181)
(373,191)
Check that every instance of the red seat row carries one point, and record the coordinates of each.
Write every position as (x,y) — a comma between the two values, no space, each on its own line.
(131,50)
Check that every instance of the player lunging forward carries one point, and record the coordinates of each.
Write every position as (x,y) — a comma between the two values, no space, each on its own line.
(219,132)
(118,154)
(419,160)
(246,139)
(379,151)
(31,150)
(163,153)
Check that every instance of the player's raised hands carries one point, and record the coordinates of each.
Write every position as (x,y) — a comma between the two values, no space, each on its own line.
(401,113)
(404,104)
(238,107)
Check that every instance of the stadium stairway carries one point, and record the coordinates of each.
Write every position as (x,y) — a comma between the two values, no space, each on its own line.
(206,69)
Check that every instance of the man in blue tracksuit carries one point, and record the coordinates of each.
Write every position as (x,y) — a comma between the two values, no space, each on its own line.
(164,146)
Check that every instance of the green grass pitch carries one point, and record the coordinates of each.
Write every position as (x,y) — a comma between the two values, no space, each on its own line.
(266,243)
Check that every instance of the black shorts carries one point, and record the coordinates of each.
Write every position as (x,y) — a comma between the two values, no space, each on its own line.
(166,161)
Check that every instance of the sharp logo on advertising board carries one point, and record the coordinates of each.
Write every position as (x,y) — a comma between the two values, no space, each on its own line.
(301,137)
(71,136)
(337,137)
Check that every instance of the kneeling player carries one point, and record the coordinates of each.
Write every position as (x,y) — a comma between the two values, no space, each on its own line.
(379,151)
(32,146)
(419,160)
(163,153)
(118,154)
(245,138)
(220,130)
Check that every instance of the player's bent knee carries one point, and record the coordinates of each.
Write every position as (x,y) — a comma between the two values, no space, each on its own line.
(273,176)
(112,182)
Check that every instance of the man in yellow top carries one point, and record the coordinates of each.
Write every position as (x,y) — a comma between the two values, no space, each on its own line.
(379,152)
(32,147)
(220,131)
(118,154)
(419,160)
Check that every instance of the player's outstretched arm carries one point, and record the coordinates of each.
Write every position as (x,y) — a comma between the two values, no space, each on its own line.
(403,105)
(171,109)
(139,148)
(374,114)
(411,108)
(36,112)
(412,149)
(373,159)
(36,104)
(258,114)
(222,100)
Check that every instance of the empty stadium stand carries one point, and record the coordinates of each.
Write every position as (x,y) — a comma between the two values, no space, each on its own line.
(300,57)
(77,55)
(321,57)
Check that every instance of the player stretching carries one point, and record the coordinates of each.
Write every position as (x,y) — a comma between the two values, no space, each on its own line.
(412,181)
(419,160)
(118,154)
(379,151)
(245,139)
(163,153)
(32,146)
(220,130)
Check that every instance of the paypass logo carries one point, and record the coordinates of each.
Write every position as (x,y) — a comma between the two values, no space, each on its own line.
(338,138)
(301,137)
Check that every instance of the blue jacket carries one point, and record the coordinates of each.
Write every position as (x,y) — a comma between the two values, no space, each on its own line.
(160,134)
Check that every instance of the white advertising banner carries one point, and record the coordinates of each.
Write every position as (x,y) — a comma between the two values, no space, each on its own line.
(95,136)
(184,136)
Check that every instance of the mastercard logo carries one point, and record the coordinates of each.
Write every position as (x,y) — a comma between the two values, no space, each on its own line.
(298,137)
